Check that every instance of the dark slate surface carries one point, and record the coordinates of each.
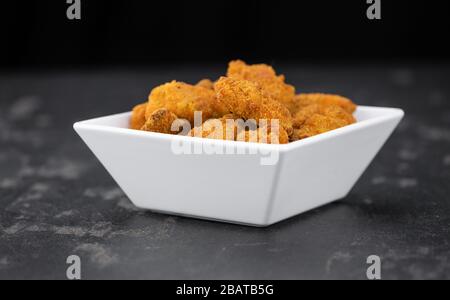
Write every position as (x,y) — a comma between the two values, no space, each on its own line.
(57,200)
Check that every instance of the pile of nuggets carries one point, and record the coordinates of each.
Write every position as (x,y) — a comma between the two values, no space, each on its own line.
(253,93)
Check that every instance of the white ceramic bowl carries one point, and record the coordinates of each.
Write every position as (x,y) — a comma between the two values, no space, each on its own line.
(269,184)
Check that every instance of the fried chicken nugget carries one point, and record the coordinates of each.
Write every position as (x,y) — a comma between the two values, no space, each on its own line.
(303,100)
(218,129)
(326,118)
(206,83)
(184,100)
(138,116)
(160,121)
(232,129)
(263,136)
(304,113)
(337,112)
(247,100)
(266,76)
(274,134)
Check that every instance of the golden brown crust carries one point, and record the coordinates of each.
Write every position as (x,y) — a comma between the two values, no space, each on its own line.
(324,119)
(160,121)
(303,100)
(184,100)
(338,112)
(217,129)
(332,111)
(231,129)
(247,100)
(239,106)
(138,116)
(260,136)
(274,134)
(304,113)
(267,78)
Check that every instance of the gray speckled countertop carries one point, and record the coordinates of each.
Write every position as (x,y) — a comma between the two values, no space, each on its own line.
(57,200)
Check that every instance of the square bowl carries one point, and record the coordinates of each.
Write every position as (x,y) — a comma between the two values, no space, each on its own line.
(235,182)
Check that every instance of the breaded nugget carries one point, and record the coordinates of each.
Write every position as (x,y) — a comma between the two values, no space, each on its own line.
(184,100)
(266,133)
(160,121)
(138,116)
(247,100)
(262,137)
(327,118)
(333,111)
(206,83)
(338,112)
(231,128)
(234,130)
(270,134)
(242,107)
(315,125)
(304,113)
(303,100)
(217,129)
(267,78)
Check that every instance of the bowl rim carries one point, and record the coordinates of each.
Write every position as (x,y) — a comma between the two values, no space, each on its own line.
(386,114)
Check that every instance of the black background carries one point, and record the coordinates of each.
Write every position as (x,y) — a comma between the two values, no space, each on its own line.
(38,34)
